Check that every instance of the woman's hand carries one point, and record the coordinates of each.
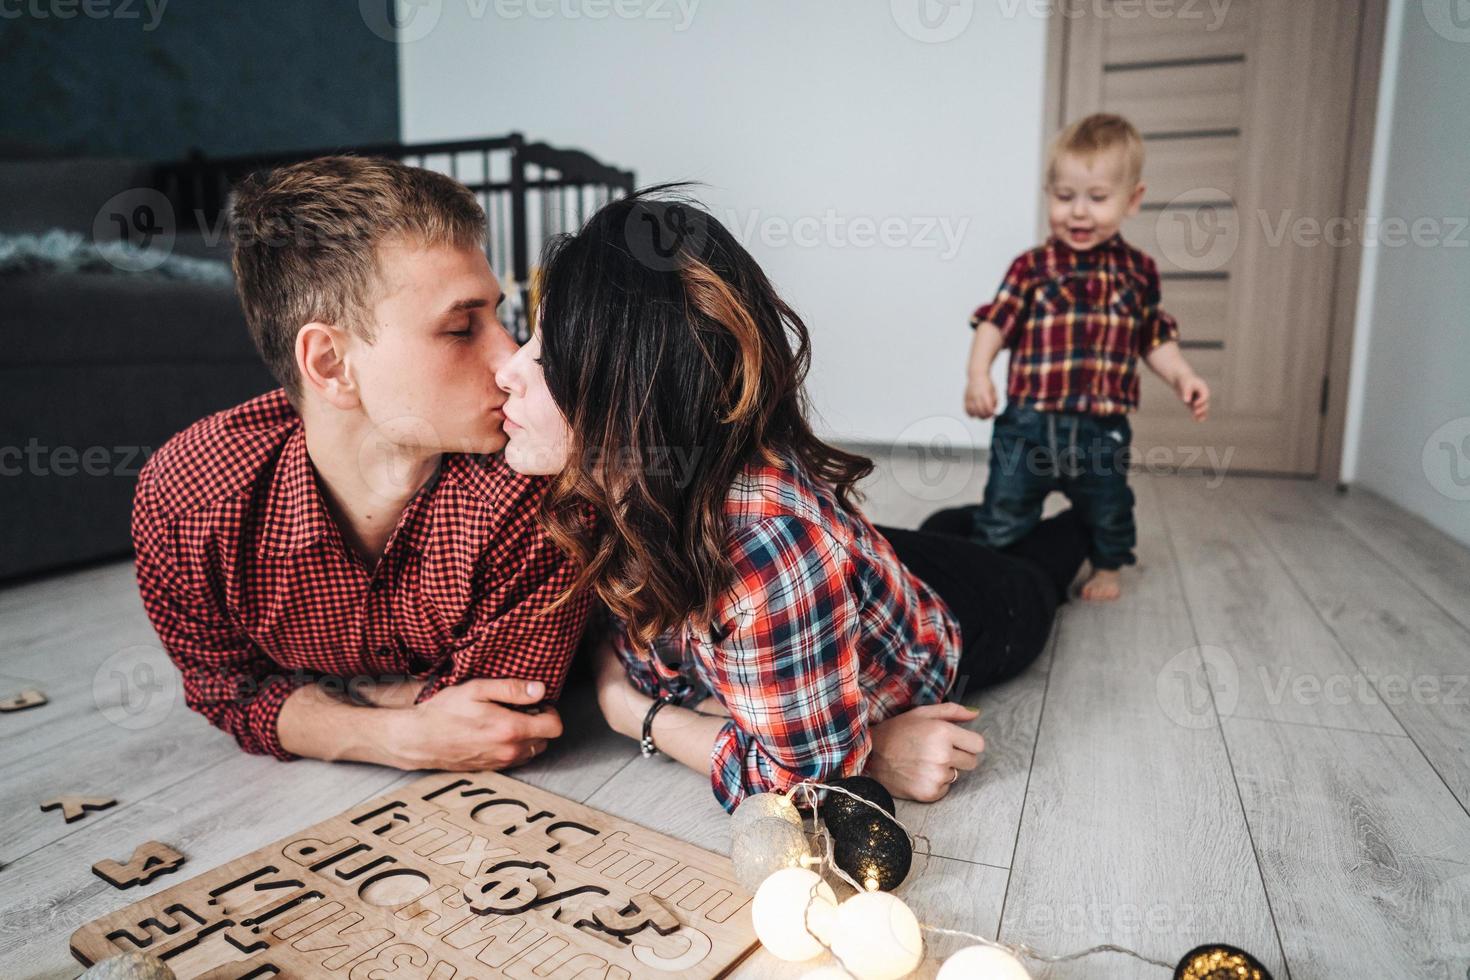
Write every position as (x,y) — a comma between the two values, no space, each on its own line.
(919,754)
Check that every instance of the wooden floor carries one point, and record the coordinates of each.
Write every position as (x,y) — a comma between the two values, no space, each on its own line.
(1305,797)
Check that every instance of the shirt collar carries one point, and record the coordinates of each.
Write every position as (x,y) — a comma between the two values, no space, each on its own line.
(296,516)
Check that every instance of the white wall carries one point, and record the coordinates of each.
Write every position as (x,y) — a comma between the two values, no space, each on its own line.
(823,110)
(1411,441)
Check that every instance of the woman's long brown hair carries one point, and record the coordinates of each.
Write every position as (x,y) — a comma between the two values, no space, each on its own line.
(676,365)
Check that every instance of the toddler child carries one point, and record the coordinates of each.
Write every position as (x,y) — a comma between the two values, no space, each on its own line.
(1076,313)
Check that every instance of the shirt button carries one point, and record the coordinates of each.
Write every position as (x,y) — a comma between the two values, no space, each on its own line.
(380,585)
(459,629)
(384,651)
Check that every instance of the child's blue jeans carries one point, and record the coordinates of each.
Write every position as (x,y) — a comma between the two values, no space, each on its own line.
(1083,456)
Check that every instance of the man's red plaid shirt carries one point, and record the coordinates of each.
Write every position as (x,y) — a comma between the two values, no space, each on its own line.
(254,591)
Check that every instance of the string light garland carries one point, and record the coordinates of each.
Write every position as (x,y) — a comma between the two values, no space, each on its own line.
(873,935)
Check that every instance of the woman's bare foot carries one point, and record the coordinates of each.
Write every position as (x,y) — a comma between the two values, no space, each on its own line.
(1103,586)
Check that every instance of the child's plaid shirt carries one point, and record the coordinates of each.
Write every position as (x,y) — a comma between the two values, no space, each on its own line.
(1076,324)
(824,633)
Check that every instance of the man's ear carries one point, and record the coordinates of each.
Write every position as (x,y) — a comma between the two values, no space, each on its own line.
(1136,201)
(321,359)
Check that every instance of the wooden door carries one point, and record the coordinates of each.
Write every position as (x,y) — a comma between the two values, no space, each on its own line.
(1245,107)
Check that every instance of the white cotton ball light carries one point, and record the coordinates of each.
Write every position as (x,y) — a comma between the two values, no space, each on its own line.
(765,846)
(757,806)
(876,937)
(982,963)
(782,918)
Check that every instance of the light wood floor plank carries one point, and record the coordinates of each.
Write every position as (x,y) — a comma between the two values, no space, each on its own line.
(1366,854)
(1274,657)
(978,819)
(1417,656)
(1436,563)
(1133,832)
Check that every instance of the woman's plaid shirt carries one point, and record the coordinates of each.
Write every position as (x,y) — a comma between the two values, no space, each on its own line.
(824,633)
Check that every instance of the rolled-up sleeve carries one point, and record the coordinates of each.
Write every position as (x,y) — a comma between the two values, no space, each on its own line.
(1009,308)
(787,666)
(1157,327)
(638,666)
(225,676)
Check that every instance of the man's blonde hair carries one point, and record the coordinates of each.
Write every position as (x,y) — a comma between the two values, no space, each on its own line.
(306,236)
(1094,135)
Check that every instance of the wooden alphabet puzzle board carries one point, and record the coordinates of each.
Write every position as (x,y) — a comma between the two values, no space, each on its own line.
(457,876)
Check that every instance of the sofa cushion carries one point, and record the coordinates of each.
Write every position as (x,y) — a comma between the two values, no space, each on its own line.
(62,318)
(38,195)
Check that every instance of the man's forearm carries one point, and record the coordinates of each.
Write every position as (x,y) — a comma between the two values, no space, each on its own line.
(320,724)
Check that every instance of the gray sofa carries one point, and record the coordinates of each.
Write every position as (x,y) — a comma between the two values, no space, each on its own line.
(98,370)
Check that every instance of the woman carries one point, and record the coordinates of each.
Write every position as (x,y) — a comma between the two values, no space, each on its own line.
(762,628)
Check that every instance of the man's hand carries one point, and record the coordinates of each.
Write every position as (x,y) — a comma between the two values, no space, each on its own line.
(918,755)
(468,727)
(980,397)
(1193,392)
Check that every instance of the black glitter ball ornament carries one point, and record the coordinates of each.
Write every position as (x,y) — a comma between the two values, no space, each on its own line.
(839,810)
(876,852)
(1216,961)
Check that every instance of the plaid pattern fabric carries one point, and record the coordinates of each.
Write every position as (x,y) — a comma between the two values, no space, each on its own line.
(1077,323)
(254,591)
(824,633)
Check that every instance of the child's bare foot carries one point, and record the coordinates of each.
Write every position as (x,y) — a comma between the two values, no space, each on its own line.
(1105,585)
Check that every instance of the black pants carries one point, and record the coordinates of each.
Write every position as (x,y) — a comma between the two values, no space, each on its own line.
(1005,600)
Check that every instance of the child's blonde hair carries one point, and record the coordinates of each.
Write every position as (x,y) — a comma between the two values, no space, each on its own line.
(1098,133)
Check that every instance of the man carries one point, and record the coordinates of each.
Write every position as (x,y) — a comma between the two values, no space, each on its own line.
(296,550)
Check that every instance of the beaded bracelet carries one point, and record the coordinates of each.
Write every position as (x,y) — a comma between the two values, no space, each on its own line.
(645,744)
